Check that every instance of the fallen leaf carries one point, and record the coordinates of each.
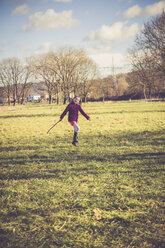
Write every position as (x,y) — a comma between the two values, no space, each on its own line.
(97,214)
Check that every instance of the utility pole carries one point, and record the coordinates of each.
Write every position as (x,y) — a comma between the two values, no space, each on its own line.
(114,76)
(113,70)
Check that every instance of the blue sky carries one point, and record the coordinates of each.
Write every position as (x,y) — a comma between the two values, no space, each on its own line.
(104,28)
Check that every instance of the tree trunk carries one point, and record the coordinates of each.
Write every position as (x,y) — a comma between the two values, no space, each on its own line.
(144,92)
(50,98)
(8,100)
(22,100)
(14,102)
(65,99)
(57,97)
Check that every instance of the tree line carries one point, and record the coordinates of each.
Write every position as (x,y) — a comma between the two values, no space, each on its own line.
(147,57)
(70,71)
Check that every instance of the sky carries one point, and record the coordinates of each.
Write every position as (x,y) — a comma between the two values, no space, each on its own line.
(106,29)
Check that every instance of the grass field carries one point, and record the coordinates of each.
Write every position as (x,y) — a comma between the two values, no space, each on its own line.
(108,192)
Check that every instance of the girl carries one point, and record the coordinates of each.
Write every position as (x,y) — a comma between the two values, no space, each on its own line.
(73,109)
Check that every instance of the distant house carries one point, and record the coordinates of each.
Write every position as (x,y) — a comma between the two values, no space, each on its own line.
(34,97)
(37,92)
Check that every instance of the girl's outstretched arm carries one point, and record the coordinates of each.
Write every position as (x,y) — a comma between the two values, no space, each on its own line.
(65,112)
(83,113)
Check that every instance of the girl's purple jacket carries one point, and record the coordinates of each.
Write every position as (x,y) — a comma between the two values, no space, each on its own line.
(73,112)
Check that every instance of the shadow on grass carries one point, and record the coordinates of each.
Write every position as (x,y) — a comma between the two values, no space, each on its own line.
(17,241)
(110,231)
(27,116)
(91,113)
(136,138)
(126,112)
(13,148)
(8,239)
(42,167)
(62,161)
(142,156)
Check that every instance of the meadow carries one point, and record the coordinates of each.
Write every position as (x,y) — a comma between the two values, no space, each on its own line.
(107,192)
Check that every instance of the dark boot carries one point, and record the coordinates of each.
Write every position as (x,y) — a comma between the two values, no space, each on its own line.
(75,140)
(76,137)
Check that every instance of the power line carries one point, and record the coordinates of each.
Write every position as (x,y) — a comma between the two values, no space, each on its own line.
(113,70)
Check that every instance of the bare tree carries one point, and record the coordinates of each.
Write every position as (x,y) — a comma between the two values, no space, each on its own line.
(15,70)
(144,71)
(43,68)
(65,62)
(87,72)
(5,80)
(148,57)
(25,83)
(74,70)
(14,78)
(102,88)
(152,38)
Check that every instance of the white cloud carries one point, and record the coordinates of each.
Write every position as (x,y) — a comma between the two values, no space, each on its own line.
(21,9)
(154,9)
(118,32)
(51,20)
(132,12)
(149,10)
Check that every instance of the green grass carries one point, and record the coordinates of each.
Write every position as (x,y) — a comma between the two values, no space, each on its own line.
(108,192)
